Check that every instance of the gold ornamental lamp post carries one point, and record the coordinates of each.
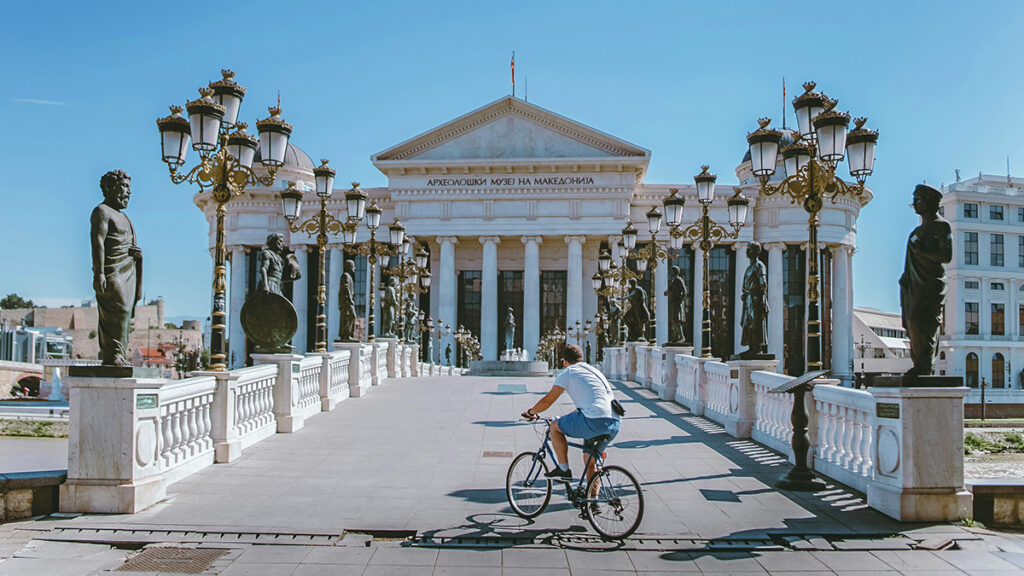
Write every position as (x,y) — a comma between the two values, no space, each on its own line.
(705,232)
(355,200)
(225,169)
(646,256)
(810,164)
(322,223)
(613,281)
(412,273)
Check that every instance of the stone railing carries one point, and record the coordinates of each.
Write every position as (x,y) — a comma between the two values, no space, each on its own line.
(846,421)
(654,369)
(880,442)
(130,438)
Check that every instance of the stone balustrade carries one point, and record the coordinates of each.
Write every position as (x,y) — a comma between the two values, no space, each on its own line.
(131,438)
(879,442)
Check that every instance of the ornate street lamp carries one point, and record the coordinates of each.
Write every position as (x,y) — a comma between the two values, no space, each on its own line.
(705,232)
(321,224)
(355,203)
(810,164)
(647,256)
(412,273)
(225,169)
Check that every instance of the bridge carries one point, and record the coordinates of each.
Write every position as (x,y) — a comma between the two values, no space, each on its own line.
(408,478)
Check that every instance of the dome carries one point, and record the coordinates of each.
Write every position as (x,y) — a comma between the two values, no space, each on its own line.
(294,157)
(788,137)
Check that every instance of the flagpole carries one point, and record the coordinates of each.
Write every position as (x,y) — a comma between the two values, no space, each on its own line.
(513,73)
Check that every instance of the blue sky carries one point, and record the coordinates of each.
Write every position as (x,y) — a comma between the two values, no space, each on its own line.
(83,83)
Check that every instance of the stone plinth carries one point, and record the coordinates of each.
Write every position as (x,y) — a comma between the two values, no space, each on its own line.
(379,359)
(666,389)
(414,360)
(507,368)
(629,360)
(741,415)
(112,438)
(393,355)
(919,470)
(286,390)
(359,377)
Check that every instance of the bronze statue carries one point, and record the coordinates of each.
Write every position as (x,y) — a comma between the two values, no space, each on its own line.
(389,309)
(411,315)
(923,284)
(754,316)
(268,318)
(638,316)
(510,330)
(277,264)
(346,303)
(116,268)
(614,325)
(676,293)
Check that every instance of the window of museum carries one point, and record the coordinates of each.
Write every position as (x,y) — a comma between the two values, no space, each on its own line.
(998,321)
(1020,251)
(510,295)
(794,269)
(971,284)
(996,244)
(995,213)
(971,317)
(998,286)
(469,302)
(1020,320)
(971,248)
(970,210)
(971,369)
(721,264)
(998,371)
(1020,214)
(552,300)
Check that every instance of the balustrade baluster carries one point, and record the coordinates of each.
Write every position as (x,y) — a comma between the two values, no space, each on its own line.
(207,422)
(175,417)
(168,436)
(193,429)
(848,426)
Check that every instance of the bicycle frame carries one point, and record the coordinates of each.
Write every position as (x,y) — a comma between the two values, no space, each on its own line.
(547,449)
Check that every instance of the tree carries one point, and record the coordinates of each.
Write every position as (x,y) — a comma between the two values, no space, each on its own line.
(170,326)
(12,301)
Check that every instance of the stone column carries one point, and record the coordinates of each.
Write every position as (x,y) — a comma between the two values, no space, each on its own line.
(740,248)
(530,323)
(661,301)
(697,296)
(333,281)
(842,315)
(489,299)
(301,301)
(236,336)
(574,280)
(776,312)
(447,309)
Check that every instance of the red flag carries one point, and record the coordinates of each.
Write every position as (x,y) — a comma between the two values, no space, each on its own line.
(513,73)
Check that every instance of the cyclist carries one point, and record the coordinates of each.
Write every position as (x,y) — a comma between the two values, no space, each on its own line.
(594,416)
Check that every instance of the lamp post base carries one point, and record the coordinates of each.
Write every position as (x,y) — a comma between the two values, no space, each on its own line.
(800,479)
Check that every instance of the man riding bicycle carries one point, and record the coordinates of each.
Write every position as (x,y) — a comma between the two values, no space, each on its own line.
(593,418)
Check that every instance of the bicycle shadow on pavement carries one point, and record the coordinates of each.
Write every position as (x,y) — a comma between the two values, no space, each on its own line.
(498,496)
(494,531)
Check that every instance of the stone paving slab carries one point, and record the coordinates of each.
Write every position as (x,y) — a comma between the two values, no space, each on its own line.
(420,455)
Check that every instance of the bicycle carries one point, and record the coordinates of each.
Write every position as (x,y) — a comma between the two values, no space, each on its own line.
(612,500)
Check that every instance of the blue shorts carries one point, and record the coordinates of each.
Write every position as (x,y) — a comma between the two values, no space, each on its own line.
(576,425)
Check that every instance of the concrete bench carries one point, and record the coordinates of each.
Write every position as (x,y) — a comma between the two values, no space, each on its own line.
(26,494)
(998,502)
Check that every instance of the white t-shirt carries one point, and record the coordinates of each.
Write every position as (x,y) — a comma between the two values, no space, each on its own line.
(589,390)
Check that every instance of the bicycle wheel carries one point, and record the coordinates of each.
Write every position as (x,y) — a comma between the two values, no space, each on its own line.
(615,503)
(527,489)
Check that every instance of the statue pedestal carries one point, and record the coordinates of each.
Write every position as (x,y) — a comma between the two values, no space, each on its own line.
(919,471)
(414,360)
(393,356)
(113,467)
(286,389)
(629,349)
(359,378)
(666,389)
(742,406)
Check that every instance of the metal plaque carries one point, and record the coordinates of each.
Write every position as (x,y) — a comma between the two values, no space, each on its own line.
(295,368)
(887,410)
(146,401)
(797,382)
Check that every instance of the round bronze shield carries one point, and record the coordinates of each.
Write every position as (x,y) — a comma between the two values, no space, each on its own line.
(269,321)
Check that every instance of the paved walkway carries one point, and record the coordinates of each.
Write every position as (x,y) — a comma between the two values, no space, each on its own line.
(428,456)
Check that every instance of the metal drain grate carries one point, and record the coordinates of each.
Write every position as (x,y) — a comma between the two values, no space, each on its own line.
(167,559)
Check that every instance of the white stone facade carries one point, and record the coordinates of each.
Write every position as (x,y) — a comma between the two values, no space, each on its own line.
(514,187)
(979,276)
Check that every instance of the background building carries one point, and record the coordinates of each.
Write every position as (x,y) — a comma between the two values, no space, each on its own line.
(514,204)
(983,329)
(881,343)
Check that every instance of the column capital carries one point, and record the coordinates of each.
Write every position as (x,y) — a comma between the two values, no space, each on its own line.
(842,248)
(300,248)
(490,239)
(534,239)
(579,238)
(774,246)
(442,240)
(739,246)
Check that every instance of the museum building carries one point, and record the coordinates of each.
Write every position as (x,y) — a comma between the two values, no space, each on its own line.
(514,204)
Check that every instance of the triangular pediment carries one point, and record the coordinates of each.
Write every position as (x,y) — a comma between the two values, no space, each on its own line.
(510,129)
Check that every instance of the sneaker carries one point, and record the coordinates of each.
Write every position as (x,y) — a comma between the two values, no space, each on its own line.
(595,509)
(559,474)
